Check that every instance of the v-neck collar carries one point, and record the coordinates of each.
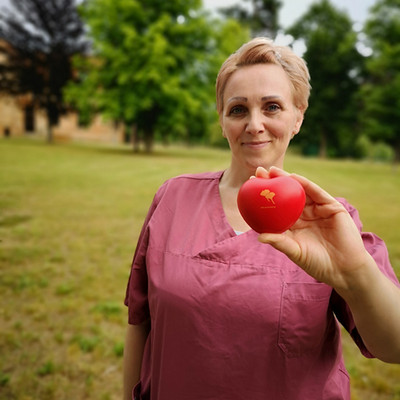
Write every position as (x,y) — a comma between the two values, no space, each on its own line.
(221,225)
(225,235)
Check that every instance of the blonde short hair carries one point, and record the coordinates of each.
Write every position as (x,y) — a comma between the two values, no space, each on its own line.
(263,51)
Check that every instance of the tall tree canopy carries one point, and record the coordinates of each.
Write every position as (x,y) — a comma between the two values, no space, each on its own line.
(39,39)
(152,68)
(381,93)
(334,64)
(261,16)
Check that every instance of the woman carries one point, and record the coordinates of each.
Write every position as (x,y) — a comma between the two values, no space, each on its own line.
(215,313)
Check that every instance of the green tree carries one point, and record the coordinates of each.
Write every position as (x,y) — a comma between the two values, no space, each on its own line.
(381,93)
(151,67)
(330,127)
(261,16)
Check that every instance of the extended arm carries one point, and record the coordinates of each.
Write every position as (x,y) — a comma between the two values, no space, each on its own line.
(326,243)
(375,304)
(136,336)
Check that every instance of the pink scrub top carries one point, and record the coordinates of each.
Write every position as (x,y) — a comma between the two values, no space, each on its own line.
(231,318)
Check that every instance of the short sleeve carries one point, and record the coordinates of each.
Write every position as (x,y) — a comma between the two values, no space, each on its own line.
(377,248)
(136,297)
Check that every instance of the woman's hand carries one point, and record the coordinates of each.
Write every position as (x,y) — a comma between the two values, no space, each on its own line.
(325,241)
(327,245)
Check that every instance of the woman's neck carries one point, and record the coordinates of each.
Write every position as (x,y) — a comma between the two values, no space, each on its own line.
(234,177)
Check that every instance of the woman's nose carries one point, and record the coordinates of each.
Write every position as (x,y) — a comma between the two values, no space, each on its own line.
(255,123)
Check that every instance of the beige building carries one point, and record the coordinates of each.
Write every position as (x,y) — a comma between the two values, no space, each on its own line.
(18,118)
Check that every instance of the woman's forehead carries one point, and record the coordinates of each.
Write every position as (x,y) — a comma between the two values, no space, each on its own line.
(260,81)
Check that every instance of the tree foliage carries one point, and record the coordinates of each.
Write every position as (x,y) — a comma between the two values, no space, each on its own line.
(335,65)
(261,16)
(39,39)
(153,67)
(381,93)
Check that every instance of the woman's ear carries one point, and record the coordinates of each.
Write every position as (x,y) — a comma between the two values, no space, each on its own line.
(299,121)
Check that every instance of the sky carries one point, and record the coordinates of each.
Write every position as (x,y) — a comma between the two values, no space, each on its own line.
(293,9)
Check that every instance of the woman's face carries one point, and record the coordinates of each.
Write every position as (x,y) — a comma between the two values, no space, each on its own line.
(259,116)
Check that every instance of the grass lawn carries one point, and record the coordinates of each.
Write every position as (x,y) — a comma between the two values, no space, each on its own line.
(70,216)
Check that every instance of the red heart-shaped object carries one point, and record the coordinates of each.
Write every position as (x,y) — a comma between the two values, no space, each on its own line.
(271,205)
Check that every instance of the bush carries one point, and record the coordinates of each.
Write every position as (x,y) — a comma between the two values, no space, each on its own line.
(382,152)
(375,151)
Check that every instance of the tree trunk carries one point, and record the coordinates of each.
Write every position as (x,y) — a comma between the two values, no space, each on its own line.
(53,117)
(135,138)
(149,141)
(50,137)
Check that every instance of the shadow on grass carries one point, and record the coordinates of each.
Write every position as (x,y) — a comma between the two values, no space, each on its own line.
(13,220)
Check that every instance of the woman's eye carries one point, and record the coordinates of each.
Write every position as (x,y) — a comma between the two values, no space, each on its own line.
(272,107)
(236,110)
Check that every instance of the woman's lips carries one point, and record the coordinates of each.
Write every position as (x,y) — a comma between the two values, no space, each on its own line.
(256,145)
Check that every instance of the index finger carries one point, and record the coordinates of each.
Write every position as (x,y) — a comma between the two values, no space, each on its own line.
(313,191)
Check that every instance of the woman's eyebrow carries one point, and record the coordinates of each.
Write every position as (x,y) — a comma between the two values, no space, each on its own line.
(271,97)
(237,98)
(245,99)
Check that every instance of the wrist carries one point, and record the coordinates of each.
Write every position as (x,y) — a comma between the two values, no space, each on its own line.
(359,281)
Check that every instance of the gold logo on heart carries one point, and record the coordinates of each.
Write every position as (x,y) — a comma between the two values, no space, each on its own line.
(268,195)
